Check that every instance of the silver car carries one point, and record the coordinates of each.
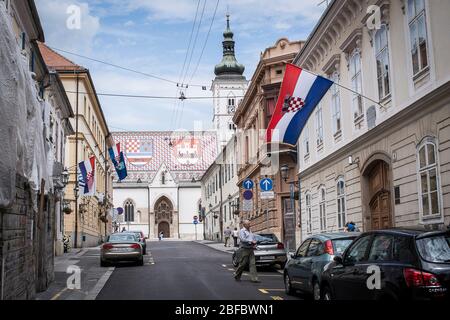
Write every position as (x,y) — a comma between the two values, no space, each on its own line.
(269,251)
(121,247)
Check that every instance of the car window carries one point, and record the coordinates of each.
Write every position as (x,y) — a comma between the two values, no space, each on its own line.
(435,249)
(301,252)
(382,247)
(357,252)
(403,250)
(340,245)
(314,247)
(122,237)
(265,239)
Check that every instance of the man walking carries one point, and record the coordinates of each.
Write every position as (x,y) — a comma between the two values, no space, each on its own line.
(235,237)
(246,253)
(227,234)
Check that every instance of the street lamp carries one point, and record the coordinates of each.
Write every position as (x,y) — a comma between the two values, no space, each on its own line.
(284,172)
(65,177)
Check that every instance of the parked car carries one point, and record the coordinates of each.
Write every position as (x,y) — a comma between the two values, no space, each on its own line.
(142,240)
(121,247)
(269,251)
(411,264)
(304,269)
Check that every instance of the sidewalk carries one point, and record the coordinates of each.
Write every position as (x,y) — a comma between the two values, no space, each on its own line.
(92,276)
(217,246)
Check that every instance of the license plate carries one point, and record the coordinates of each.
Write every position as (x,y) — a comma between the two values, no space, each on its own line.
(267,258)
(121,249)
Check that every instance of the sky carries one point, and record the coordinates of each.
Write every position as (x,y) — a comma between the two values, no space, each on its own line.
(152,36)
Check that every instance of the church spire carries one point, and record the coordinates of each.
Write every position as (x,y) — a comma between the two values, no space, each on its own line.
(229,65)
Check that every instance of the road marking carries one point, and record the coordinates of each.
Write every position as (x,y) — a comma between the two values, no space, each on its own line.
(230,269)
(100,284)
(224,265)
(56,296)
(280,271)
(277,298)
(264,291)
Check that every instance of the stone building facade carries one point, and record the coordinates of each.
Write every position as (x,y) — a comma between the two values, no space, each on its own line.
(383,164)
(252,117)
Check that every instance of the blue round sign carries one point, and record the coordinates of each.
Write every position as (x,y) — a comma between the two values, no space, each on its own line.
(248,184)
(266,184)
(248,195)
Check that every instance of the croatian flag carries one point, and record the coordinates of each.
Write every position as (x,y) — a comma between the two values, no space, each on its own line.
(87,177)
(118,161)
(300,93)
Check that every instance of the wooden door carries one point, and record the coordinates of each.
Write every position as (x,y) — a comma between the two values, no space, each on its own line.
(380,196)
(165,228)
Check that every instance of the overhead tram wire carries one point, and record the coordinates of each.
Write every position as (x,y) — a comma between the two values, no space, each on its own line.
(176,103)
(190,58)
(118,95)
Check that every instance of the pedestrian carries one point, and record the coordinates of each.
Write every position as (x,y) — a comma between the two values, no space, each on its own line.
(161,235)
(227,235)
(247,246)
(123,229)
(235,237)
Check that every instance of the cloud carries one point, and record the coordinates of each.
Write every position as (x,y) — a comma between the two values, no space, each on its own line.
(54,16)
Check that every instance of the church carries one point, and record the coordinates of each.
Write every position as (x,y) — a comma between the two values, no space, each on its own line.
(162,192)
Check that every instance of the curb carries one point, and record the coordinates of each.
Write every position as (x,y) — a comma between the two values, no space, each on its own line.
(100,284)
(217,249)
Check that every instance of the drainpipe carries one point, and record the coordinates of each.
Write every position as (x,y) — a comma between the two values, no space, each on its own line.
(76,164)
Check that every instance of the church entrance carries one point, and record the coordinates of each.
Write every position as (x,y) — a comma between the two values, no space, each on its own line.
(164,217)
(165,228)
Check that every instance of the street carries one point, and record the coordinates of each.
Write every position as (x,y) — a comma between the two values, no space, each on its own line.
(185,270)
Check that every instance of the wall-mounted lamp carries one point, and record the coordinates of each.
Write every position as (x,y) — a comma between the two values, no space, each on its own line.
(284,169)
(352,160)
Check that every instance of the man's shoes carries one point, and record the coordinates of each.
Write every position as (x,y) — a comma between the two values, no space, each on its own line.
(237,278)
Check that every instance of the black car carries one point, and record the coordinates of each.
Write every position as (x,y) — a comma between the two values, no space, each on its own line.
(394,264)
(304,270)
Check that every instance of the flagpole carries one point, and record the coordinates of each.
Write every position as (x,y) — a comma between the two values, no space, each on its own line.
(346,88)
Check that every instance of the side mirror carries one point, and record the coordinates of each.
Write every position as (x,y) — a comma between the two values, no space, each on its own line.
(338,260)
(292,255)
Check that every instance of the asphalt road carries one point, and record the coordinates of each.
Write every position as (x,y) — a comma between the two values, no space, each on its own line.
(177,270)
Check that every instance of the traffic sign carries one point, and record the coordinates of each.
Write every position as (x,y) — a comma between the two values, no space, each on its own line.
(248,184)
(248,195)
(247,205)
(119,210)
(195,221)
(195,218)
(266,184)
(266,195)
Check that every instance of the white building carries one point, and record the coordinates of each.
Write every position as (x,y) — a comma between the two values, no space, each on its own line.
(162,191)
(228,89)
(379,165)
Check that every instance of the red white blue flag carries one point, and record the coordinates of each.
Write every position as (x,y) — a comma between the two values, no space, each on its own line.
(86,179)
(300,93)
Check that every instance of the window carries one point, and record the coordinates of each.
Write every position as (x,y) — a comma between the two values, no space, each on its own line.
(357,252)
(335,103)
(314,248)
(301,252)
(322,210)
(356,82)
(308,213)
(306,142)
(319,126)
(340,187)
(382,57)
(129,211)
(270,109)
(418,35)
(382,248)
(225,212)
(429,179)
(231,107)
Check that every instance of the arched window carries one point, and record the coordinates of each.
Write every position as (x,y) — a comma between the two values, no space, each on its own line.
(322,209)
(129,211)
(429,178)
(341,206)
(308,213)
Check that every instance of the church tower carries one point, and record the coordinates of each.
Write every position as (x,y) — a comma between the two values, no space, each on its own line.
(228,87)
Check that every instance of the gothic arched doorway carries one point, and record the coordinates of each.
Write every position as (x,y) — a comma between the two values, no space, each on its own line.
(378,196)
(164,217)
(165,228)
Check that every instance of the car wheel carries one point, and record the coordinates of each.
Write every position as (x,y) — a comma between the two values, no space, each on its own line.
(103,263)
(282,265)
(145,251)
(140,262)
(288,284)
(316,291)
(326,293)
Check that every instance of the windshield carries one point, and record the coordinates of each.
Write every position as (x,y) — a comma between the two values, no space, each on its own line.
(266,238)
(340,245)
(122,238)
(435,249)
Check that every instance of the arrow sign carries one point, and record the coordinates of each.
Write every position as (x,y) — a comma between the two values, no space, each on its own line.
(248,184)
(266,184)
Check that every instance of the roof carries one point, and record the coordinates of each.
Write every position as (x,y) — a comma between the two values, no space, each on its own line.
(36,19)
(56,61)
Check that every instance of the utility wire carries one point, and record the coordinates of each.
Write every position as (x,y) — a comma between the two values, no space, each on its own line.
(147,96)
